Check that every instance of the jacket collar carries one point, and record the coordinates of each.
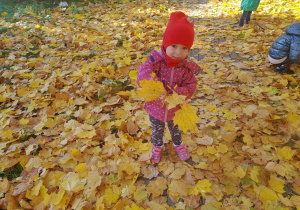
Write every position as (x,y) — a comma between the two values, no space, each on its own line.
(180,64)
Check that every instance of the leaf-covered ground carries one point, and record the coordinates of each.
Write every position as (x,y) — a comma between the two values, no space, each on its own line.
(74,134)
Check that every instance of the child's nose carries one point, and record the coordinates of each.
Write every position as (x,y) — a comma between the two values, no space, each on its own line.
(179,51)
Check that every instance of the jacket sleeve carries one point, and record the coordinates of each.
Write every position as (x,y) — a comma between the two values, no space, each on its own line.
(280,47)
(188,85)
(145,71)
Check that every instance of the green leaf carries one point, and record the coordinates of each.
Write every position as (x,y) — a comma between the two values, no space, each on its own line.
(246,182)
(275,91)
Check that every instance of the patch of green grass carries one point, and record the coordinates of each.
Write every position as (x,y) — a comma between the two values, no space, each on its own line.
(12,172)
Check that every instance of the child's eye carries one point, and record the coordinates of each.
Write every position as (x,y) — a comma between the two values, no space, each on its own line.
(185,48)
(174,46)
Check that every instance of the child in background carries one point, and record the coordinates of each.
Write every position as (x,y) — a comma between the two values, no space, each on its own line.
(286,49)
(173,68)
(248,6)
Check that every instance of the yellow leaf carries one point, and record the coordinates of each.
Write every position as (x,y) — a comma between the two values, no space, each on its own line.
(212,108)
(211,150)
(4,13)
(34,192)
(294,119)
(222,148)
(6,40)
(246,202)
(72,182)
(127,60)
(85,133)
(140,195)
(7,134)
(277,184)
(229,115)
(112,194)
(248,139)
(37,26)
(240,172)
(174,99)
(268,195)
(56,198)
(81,167)
(254,173)
(202,186)
(99,204)
(121,114)
(151,90)
(286,152)
(133,75)
(77,16)
(186,119)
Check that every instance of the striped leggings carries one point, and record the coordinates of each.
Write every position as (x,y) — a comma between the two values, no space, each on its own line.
(158,132)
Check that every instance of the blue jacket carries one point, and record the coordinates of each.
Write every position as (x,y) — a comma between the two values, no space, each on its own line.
(288,44)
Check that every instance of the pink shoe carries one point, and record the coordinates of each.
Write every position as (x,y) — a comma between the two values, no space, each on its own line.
(182,152)
(156,154)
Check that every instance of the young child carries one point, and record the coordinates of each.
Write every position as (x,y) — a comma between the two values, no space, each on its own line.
(286,49)
(248,6)
(172,67)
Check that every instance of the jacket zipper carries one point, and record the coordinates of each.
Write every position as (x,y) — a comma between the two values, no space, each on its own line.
(171,82)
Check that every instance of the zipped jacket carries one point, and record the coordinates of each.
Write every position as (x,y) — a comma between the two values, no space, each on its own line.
(287,45)
(180,78)
(249,5)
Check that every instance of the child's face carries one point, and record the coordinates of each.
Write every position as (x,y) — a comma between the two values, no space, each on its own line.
(177,51)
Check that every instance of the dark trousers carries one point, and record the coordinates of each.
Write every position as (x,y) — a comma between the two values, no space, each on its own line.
(246,15)
(158,132)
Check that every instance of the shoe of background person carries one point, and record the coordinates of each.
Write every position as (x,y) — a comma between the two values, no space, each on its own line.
(283,69)
(182,152)
(156,151)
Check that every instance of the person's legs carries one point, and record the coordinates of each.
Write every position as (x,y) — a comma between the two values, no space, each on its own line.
(158,128)
(177,141)
(248,16)
(243,17)
(175,133)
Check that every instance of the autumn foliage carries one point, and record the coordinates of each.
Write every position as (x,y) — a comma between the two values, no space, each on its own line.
(74,134)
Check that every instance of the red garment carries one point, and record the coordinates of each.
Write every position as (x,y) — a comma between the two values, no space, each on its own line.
(171,62)
(179,31)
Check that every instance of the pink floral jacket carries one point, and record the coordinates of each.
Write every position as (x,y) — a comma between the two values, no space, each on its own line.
(180,78)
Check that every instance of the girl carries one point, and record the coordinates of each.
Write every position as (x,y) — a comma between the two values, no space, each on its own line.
(172,67)
(248,6)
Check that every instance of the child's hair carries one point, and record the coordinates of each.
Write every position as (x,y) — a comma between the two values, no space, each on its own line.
(179,31)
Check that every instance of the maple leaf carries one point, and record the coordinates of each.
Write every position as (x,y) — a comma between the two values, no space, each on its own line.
(202,187)
(266,195)
(277,184)
(174,100)
(151,90)
(71,182)
(286,152)
(186,119)
(140,195)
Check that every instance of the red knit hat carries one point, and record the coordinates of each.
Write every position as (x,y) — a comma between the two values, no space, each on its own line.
(179,31)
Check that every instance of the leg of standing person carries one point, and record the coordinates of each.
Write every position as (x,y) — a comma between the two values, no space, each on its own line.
(243,17)
(158,128)
(177,141)
(175,133)
(248,16)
